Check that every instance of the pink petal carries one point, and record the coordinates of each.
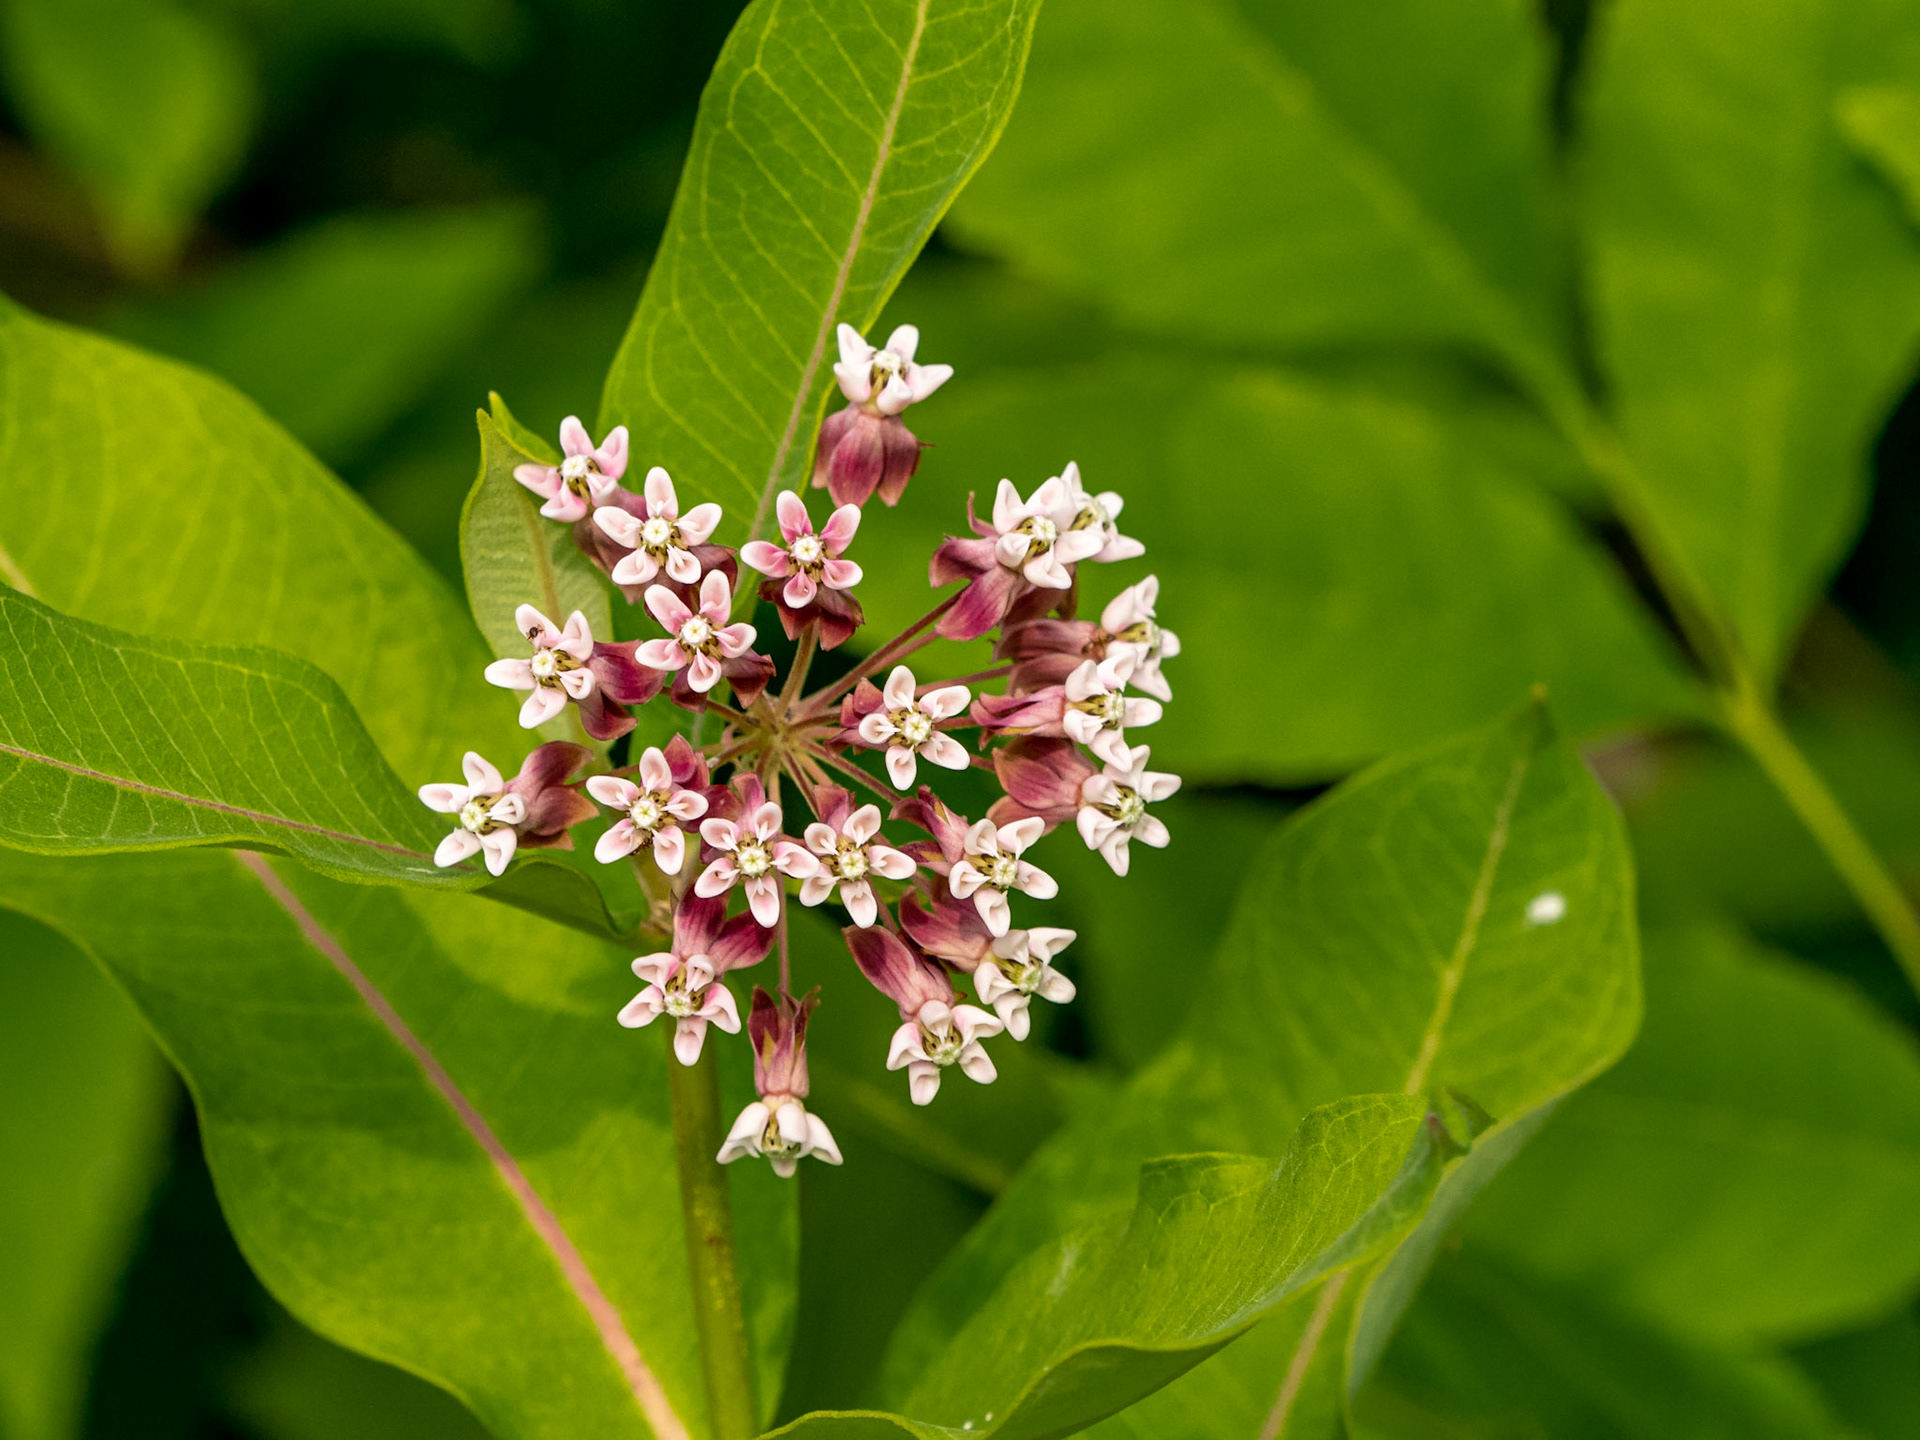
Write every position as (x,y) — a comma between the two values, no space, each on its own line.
(765,821)
(945,702)
(510,674)
(766,557)
(667,608)
(863,824)
(856,380)
(890,863)
(820,838)
(682,566)
(538,629)
(900,764)
(661,654)
(876,729)
(799,591)
(720,833)
(763,899)
(704,673)
(669,849)
(923,380)
(618,525)
(615,791)
(543,480)
(540,706)
(611,455)
(716,879)
(894,396)
(1007,509)
(793,517)
(946,752)
(790,859)
(447,799)
(574,439)
(482,778)
(854,349)
(577,683)
(637,568)
(716,597)
(456,847)
(688,1036)
(687,804)
(565,506)
(661,501)
(620,841)
(499,846)
(736,640)
(861,906)
(816,888)
(839,530)
(841,574)
(904,340)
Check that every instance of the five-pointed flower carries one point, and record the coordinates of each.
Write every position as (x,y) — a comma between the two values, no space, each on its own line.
(778,1125)
(753,853)
(1128,624)
(663,538)
(1029,544)
(699,640)
(1113,807)
(908,725)
(887,379)
(567,665)
(992,866)
(684,982)
(843,838)
(1019,970)
(1098,710)
(1097,514)
(669,789)
(936,1029)
(498,816)
(807,561)
(584,478)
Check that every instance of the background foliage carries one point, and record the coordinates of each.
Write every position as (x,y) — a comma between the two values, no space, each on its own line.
(1382,319)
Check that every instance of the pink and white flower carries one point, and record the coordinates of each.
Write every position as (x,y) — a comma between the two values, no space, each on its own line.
(684,982)
(754,854)
(991,866)
(1129,625)
(1018,970)
(887,379)
(1097,514)
(844,839)
(661,539)
(496,816)
(778,1125)
(807,561)
(585,477)
(1113,807)
(1098,711)
(702,640)
(670,789)
(1029,544)
(937,1030)
(909,726)
(568,665)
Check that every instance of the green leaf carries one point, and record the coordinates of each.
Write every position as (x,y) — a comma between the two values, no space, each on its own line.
(82,1131)
(1871,1377)
(1382,942)
(138,493)
(1102,1316)
(1488,1351)
(381,305)
(1882,122)
(833,135)
(1757,292)
(1348,576)
(1748,1171)
(431,1140)
(146,101)
(1288,174)
(112,742)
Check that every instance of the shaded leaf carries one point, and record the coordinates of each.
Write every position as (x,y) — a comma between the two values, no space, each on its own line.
(148,102)
(1747,1171)
(1383,939)
(393,1083)
(82,1130)
(1756,290)
(1871,1377)
(336,330)
(833,135)
(112,742)
(1491,1352)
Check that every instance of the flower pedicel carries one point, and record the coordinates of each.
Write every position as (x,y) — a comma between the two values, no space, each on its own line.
(706,823)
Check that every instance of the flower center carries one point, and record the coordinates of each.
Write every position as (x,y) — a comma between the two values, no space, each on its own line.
(943,1046)
(886,365)
(1126,807)
(477,814)
(915,726)
(772,1142)
(1141,632)
(681,1002)
(1109,709)
(549,665)
(1023,975)
(1092,514)
(659,534)
(649,810)
(1002,871)
(807,551)
(850,860)
(574,471)
(1040,532)
(696,635)
(751,859)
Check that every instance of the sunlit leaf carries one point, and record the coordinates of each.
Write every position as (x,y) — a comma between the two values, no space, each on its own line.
(832,137)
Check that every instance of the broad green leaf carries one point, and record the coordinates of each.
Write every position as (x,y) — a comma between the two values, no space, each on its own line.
(296,1386)
(337,330)
(109,741)
(1871,1377)
(1348,576)
(513,555)
(1298,174)
(1396,935)
(432,1141)
(1106,1314)
(1750,1169)
(1757,291)
(1487,1351)
(833,135)
(81,1129)
(148,102)
(1882,122)
(138,493)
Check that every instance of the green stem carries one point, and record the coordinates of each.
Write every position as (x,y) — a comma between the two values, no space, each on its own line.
(698,1129)
(1753,723)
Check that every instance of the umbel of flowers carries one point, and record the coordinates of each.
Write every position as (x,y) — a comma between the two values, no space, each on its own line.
(788,802)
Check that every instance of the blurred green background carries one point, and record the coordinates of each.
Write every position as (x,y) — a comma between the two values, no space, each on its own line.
(367,214)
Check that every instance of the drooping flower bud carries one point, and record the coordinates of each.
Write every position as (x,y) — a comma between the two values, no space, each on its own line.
(936,1030)
(949,831)
(535,809)
(778,1125)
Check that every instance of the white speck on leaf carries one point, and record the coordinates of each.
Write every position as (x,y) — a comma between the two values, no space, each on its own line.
(1549,907)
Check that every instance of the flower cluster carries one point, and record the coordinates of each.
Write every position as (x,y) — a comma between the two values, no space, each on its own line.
(700,822)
